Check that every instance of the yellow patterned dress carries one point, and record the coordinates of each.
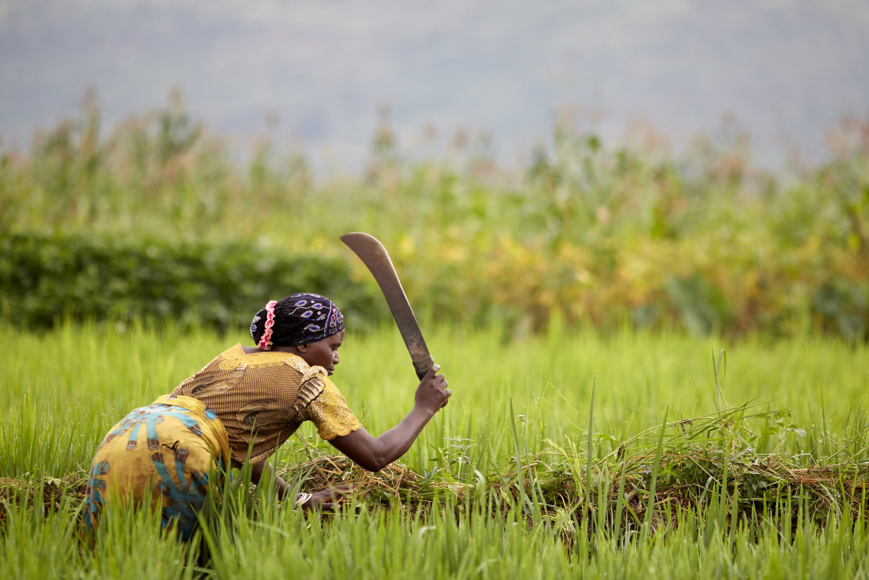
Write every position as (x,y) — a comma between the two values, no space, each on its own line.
(239,407)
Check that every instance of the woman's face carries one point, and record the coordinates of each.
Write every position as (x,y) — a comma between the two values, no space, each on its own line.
(323,353)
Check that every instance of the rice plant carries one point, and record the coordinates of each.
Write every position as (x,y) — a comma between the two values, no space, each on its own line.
(629,454)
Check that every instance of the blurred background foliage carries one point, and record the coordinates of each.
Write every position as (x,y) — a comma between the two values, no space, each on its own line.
(46,278)
(159,217)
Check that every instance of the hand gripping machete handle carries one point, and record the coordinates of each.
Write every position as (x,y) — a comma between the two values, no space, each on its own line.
(377,260)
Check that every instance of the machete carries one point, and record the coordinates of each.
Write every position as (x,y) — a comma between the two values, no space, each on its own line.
(376,259)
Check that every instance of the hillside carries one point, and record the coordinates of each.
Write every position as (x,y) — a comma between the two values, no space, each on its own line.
(317,72)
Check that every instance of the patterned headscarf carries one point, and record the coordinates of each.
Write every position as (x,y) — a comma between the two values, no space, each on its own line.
(297,319)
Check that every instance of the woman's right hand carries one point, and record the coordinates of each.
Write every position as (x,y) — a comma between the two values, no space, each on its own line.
(432,392)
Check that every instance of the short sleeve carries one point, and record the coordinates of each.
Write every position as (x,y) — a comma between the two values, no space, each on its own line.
(330,413)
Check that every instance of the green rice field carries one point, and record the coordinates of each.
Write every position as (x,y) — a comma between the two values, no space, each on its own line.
(659,361)
(621,455)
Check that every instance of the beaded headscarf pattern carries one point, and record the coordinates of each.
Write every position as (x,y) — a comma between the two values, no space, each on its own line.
(303,318)
(265,341)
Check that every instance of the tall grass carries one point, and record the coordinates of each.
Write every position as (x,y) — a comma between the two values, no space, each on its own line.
(520,476)
(78,380)
(363,543)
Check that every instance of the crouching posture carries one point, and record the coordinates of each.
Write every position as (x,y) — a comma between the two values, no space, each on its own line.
(241,407)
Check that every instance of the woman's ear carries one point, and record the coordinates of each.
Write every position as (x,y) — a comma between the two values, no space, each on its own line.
(302,348)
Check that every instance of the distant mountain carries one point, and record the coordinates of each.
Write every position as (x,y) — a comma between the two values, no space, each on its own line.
(319,70)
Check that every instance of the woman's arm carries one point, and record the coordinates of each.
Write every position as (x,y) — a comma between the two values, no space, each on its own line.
(368,452)
(259,469)
(374,454)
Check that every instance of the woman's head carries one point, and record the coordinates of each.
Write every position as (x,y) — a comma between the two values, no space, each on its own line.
(297,320)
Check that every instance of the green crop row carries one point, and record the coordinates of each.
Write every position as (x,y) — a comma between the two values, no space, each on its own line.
(564,455)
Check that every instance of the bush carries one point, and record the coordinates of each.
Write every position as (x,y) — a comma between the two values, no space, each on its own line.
(46,277)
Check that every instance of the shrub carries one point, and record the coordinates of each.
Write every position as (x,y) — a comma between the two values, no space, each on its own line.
(45,277)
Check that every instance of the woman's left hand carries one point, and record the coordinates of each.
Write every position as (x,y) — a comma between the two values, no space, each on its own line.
(327,499)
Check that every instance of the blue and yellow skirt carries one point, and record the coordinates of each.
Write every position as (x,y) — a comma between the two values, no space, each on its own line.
(184,445)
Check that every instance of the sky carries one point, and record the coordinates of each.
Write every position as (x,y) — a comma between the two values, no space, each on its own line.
(318,72)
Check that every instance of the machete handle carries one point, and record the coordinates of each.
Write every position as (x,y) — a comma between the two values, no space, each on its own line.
(421,366)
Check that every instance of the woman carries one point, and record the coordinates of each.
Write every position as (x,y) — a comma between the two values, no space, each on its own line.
(240,408)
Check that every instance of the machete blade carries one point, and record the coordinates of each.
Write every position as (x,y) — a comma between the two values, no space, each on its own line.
(377,260)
